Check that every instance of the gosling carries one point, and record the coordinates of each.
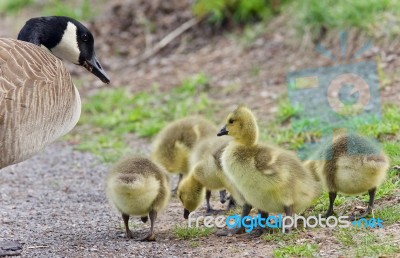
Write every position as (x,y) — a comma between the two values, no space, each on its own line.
(269,178)
(171,148)
(206,173)
(351,164)
(137,186)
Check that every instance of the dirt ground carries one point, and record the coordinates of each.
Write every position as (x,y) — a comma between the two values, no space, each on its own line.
(55,205)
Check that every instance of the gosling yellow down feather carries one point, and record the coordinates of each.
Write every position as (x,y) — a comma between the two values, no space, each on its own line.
(206,172)
(171,148)
(351,164)
(137,186)
(269,178)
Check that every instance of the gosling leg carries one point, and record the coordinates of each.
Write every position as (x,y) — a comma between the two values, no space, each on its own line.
(151,236)
(370,207)
(174,191)
(332,197)
(245,212)
(208,196)
(260,230)
(289,212)
(231,203)
(125,217)
(371,193)
(222,196)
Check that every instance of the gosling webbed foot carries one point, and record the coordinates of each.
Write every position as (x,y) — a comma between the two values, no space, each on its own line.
(129,234)
(332,197)
(231,232)
(257,232)
(328,214)
(361,215)
(211,211)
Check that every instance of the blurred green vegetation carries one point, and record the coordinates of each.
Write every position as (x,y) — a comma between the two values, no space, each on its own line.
(307,16)
(374,127)
(241,11)
(297,250)
(316,16)
(186,233)
(80,10)
(13,6)
(113,113)
(365,243)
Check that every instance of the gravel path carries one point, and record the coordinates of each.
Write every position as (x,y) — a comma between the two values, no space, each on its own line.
(55,205)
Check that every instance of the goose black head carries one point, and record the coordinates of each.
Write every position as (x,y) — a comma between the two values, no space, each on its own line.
(67,39)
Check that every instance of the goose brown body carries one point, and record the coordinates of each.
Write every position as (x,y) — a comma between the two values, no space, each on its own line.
(38,101)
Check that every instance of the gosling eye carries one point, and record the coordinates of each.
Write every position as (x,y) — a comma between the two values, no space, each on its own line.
(231,121)
(85,37)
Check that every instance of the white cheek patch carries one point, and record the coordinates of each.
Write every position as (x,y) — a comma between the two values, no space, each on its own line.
(68,47)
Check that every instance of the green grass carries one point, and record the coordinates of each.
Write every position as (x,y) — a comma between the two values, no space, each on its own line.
(82,11)
(284,131)
(320,205)
(367,15)
(389,215)
(297,250)
(286,111)
(187,233)
(236,10)
(388,126)
(366,243)
(13,6)
(111,116)
(345,236)
(279,237)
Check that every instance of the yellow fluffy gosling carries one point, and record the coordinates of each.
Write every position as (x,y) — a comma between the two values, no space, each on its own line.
(137,186)
(206,172)
(269,178)
(171,148)
(350,164)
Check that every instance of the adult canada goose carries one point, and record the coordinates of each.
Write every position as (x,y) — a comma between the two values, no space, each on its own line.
(269,178)
(350,164)
(206,173)
(38,101)
(137,186)
(173,144)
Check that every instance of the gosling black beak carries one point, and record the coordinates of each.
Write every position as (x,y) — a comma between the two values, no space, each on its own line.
(186,214)
(223,131)
(93,66)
